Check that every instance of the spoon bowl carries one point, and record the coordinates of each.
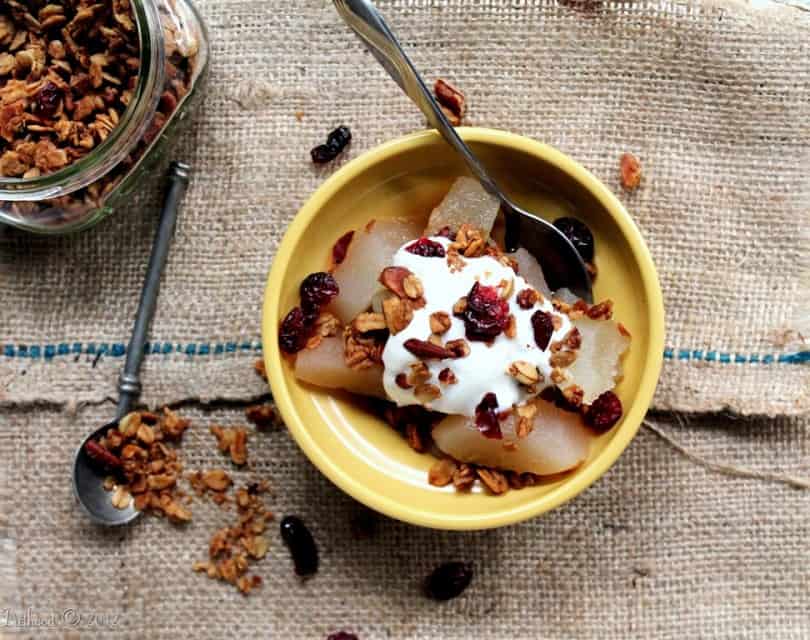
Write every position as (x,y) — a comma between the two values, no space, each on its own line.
(88,485)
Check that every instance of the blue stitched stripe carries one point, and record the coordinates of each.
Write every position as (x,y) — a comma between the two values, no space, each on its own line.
(193,349)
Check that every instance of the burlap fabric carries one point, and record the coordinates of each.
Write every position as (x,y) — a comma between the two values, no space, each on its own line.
(658,548)
(714,99)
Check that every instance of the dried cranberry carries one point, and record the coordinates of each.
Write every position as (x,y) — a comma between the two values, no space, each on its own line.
(341,635)
(47,99)
(341,247)
(486,417)
(486,314)
(604,412)
(317,290)
(543,328)
(294,331)
(579,234)
(301,544)
(448,580)
(426,248)
(446,232)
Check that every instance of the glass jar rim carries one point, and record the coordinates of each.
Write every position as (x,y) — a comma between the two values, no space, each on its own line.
(129,130)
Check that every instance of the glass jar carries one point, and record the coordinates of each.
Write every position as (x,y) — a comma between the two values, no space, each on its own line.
(166,86)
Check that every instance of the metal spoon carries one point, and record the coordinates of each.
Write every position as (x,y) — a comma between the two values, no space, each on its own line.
(562,265)
(88,474)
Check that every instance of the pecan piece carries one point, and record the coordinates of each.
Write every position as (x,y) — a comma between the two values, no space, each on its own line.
(102,455)
(493,480)
(452,101)
(412,286)
(440,322)
(392,278)
(524,372)
(427,350)
(527,298)
(441,473)
(397,314)
(366,322)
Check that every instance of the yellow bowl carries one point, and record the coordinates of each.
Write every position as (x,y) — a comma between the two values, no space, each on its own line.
(407,177)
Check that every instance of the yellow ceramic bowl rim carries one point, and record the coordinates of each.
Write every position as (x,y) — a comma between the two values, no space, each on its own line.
(579,480)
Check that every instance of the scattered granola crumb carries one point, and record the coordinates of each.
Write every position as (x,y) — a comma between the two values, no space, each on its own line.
(264,416)
(260,370)
(232,440)
(299,115)
(630,169)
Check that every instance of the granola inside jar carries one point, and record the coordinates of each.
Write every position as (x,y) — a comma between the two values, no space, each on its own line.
(91,94)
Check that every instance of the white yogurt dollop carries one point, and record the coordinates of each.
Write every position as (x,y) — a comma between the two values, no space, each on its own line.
(484,370)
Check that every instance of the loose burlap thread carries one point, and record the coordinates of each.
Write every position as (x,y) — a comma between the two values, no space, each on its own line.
(712,97)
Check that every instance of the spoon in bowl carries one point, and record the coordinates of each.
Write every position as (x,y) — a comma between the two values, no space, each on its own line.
(561,263)
(90,470)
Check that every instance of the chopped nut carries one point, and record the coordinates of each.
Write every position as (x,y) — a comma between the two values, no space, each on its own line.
(463,477)
(459,348)
(470,241)
(563,359)
(451,100)
(412,286)
(630,170)
(460,306)
(527,298)
(427,392)
(401,381)
(556,322)
(146,434)
(419,373)
(558,376)
(326,325)
(524,372)
(440,322)
(427,350)
(121,498)
(436,339)
(397,314)
(601,311)
(361,352)
(493,480)
(393,278)
(446,376)
(573,339)
(109,483)
(238,447)
(454,261)
(366,322)
(161,481)
(441,473)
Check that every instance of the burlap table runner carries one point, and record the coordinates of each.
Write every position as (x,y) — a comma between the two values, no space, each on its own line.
(713,98)
(658,548)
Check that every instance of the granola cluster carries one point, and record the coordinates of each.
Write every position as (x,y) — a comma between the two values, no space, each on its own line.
(69,70)
(148,466)
(145,468)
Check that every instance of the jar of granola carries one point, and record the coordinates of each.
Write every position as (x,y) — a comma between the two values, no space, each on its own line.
(91,94)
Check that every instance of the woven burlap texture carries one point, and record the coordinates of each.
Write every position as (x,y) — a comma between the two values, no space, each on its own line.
(657,548)
(713,99)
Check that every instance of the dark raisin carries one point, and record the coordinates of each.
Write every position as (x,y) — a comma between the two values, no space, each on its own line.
(341,635)
(339,138)
(341,247)
(543,328)
(604,412)
(426,248)
(335,143)
(294,331)
(301,545)
(579,234)
(47,99)
(449,580)
(486,417)
(486,314)
(317,290)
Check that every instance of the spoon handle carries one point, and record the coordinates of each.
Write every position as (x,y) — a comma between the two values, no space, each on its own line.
(129,383)
(364,19)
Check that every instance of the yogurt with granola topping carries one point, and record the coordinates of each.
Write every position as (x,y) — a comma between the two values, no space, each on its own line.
(490,366)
